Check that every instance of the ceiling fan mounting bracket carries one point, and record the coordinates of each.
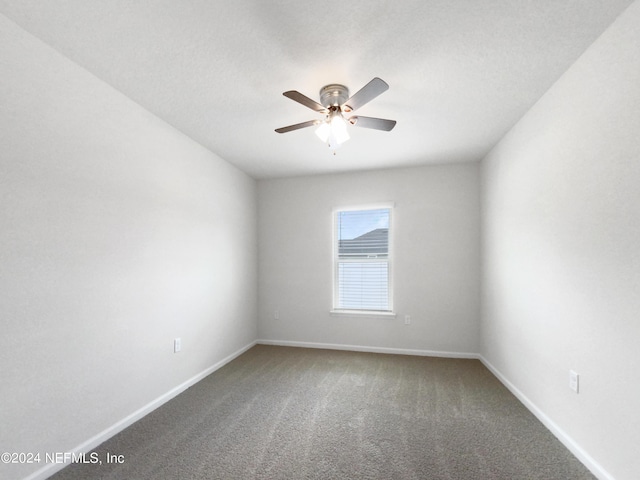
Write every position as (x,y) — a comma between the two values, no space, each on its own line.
(333,95)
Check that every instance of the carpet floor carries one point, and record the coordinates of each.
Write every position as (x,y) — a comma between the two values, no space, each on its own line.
(296,413)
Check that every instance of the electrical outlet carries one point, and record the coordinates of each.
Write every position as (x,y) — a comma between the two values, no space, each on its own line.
(407,319)
(574,381)
(177,345)
(276,315)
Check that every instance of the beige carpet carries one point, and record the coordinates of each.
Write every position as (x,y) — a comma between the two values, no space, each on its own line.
(294,413)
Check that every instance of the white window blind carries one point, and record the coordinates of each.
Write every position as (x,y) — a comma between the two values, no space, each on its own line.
(362,259)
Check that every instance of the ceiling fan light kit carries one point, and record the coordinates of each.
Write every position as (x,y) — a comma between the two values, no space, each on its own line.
(333,131)
(334,101)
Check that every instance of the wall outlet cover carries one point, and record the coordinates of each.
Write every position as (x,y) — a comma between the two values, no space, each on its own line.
(574,381)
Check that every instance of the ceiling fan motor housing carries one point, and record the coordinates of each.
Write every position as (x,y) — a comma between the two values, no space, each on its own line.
(333,95)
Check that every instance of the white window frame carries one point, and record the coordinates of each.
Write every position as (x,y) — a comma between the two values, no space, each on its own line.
(390,260)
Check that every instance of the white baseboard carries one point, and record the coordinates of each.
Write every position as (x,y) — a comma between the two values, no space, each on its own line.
(117,427)
(586,459)
(364,348)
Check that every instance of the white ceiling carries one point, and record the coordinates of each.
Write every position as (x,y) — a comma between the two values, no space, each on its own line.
(461,72)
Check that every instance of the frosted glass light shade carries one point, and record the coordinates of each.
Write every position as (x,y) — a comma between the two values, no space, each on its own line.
(323,132)
(333,131)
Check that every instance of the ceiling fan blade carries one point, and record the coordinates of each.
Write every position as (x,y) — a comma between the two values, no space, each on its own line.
(297,126)
(306,101)
(375,123)
(367,93)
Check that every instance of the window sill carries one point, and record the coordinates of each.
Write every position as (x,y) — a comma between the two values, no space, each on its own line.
(361,313)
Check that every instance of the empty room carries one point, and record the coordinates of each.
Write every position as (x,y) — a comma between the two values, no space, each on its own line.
(320,240)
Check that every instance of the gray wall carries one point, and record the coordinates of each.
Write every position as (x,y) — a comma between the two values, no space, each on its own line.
(436,269)
(561,222)
(118,233)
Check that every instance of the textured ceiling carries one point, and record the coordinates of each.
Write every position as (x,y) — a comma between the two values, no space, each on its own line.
(461,72)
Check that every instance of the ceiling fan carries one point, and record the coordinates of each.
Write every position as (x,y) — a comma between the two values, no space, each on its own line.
(334,101)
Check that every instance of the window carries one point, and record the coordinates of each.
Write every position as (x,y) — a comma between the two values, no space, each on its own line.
(362,260)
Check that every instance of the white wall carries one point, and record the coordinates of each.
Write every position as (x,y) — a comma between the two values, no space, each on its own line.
(561,223)
(436,280)
(118,233)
